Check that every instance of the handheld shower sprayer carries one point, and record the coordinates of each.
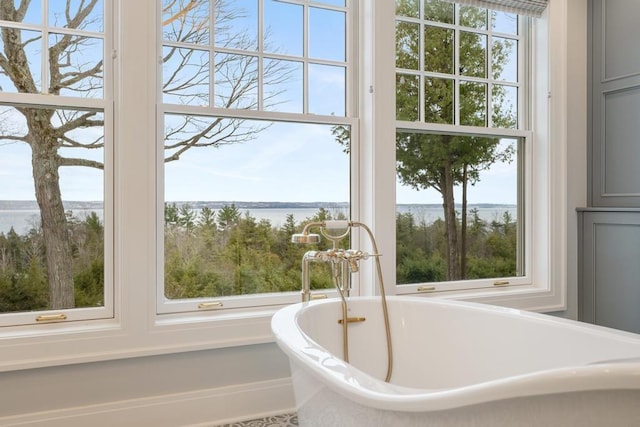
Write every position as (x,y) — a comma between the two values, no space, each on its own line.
(343,262)
(306,237)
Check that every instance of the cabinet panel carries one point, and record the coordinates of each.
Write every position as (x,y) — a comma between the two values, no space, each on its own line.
(619,21)
(620,147)
(610,294)
(614,102)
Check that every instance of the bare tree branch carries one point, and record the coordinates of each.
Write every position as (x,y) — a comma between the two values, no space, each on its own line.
(81,121)
(71,143)
(219,132)
(65,161)
(81,13)
(11,139)
(181,12)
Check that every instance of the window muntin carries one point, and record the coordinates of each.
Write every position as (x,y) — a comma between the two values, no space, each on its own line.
(461,193)
(232,65)
(56,262)
(451,61)
(257,141)
(143,333)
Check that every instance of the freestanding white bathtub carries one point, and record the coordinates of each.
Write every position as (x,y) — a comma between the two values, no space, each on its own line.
(457,364)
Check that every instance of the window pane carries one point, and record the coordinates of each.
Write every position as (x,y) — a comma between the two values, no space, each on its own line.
(504,62)
(473,104)
(185,21)
(505,106)
(408,8)
(236,189)
(234,199)
(185,76)
(438,11)
(439,104)
(503,22)
(283,23)
(327,34)
(62,14)
(51,245)
(438,50)
(285,92)
(456,72)
(327,90)
(433,170)
(407,97)
(236,81)
(33,14)
(80,60)
(473,17)
(473,54)
(236,24)
(407,45)
(29,44)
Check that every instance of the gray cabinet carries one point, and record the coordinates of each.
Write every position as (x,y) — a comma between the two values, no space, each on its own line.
(614,101)
(609,229)
(610,268)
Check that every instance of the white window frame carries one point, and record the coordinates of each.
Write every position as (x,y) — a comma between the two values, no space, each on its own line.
(543,288)
(31,320)
(136,329)
(525,162)
(247,302)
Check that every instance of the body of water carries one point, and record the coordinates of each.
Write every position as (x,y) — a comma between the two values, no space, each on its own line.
(22,220)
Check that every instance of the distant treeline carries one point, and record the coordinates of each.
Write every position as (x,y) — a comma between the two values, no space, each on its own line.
(211,253)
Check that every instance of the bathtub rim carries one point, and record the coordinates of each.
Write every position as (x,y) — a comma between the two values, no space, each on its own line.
(368,391)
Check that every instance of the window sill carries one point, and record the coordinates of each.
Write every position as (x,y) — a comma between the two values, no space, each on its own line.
(82,342)
(520,297)
(95,341)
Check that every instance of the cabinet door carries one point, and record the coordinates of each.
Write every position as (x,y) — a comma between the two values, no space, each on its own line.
(610,258)
(614,102)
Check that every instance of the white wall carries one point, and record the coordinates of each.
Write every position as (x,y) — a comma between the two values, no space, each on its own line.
(576,129)
(208,386)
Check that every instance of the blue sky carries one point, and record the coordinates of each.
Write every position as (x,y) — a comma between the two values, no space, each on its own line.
(287,162)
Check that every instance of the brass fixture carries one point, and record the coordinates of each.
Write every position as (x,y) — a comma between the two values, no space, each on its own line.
(51,317)
(208,305)
(343,262)
(353,319)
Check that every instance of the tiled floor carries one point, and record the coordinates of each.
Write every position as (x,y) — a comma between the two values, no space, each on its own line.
(285,420)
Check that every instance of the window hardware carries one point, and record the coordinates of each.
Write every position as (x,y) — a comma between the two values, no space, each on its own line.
(51,317)
(207,305)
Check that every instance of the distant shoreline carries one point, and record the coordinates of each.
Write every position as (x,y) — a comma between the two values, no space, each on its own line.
(199,204)
(22,216)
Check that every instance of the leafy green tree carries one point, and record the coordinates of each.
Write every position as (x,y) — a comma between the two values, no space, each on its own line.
(207,217)
(441,161)
(171,216)
(187,217)
(228,216)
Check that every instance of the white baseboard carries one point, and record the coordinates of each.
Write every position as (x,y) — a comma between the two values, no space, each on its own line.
(209,408)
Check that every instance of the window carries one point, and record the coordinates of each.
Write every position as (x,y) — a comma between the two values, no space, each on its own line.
(461,142)
(257,112)
(243,104)
(55,142)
